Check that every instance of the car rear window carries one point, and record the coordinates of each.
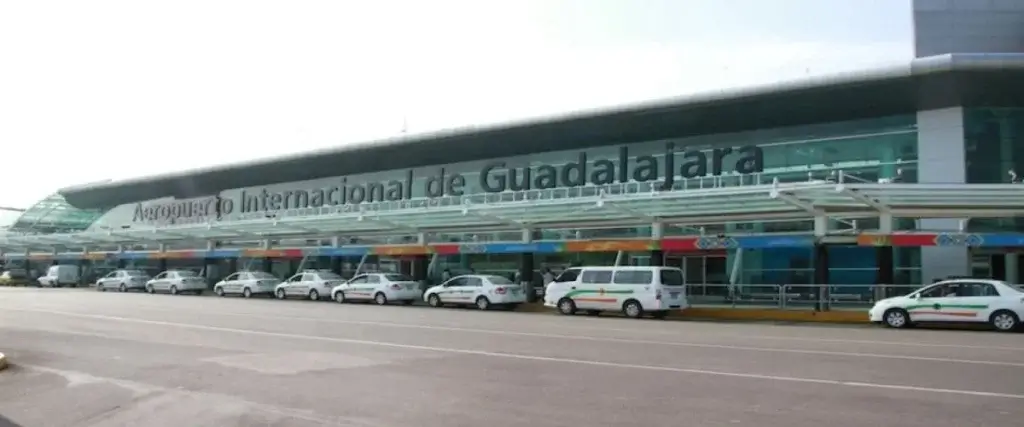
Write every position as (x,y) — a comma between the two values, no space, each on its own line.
(398,278)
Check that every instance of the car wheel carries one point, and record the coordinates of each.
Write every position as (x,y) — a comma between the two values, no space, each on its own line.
(150,290)
(896,318)
(247,293)
(280,294)
(435,301)
(314,295)
(632,309)
(340,297)
(1004,321)
(122,288)
(174,290)
(219,291)
(566,306)
(100,288)
(483,303)
(380,298)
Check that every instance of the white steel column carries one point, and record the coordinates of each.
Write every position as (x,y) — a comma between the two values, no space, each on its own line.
(942,159)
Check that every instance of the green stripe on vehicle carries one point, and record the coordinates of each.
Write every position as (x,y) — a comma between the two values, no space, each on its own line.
(597,292)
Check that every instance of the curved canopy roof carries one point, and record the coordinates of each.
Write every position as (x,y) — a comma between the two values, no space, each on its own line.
(924,83)
(54,214)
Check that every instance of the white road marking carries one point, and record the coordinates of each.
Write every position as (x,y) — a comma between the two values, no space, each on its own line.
(544,358)
(621,340)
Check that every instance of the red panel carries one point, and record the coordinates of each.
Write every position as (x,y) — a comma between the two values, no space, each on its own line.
(446,249)
(913,239)
(685,244)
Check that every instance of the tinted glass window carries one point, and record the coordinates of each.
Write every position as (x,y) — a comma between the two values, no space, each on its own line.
(592,276)
(637,277)
(398,278)
(979,290)
(568,275)
(373,278)
(671,277)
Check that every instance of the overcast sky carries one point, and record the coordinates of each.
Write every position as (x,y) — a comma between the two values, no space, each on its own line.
(94,90)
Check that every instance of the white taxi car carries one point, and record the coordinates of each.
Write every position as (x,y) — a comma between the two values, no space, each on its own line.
(122,280)
(177,281)
(247,284)
(995,302)
(480,290)
(310,284)
(378,287)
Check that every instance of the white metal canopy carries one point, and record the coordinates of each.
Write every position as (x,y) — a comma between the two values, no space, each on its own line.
(612,205)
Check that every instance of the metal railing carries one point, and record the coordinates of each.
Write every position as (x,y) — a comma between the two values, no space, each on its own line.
(793,297)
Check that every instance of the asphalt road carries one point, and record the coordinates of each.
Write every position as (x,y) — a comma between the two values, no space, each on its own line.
(82,358)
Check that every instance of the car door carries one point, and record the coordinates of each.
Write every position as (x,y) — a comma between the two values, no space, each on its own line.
(293,286)
(589,293)
(454,290)
(928,303)
(230,283)
(108,280)
(375,283)
(358,288)
(974,302)
(160,282)
(472,288)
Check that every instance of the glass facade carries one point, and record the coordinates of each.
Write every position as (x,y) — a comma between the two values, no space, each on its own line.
(994,151)
(54,215)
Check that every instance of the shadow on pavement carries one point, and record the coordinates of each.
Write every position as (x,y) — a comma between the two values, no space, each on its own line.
(4,422)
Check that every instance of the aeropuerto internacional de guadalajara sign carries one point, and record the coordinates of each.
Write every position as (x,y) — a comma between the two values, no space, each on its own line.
(494,177)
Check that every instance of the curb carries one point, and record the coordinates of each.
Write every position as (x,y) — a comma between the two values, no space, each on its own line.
(748,314)
(3,362)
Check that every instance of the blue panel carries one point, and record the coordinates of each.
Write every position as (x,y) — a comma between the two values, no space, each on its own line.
(519,248)
(1003,240)
(766,242)
(346,251)
(222,253)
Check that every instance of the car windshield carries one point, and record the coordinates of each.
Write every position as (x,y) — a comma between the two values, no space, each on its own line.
(398,278)
(262,275)
(500,280)
(328,275)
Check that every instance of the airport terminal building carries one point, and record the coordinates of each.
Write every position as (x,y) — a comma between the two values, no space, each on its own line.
(896,176)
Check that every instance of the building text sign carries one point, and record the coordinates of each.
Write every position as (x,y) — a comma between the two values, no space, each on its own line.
(494,177)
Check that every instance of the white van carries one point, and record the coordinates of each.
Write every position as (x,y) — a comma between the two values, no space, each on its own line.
(60,275)
(634,291)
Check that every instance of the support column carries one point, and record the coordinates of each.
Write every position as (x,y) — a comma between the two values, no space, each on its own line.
(526,262)
(657,255)
(821,278)
(266,264)
(162,264)
(942,159)
(885,261)
(1013,267)
(336,264)
(83,267)
(210,268)
(232,266)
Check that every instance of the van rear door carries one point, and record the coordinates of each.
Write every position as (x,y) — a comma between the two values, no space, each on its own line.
(673,290)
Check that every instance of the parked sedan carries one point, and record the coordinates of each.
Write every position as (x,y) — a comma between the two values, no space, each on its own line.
(123,280)
(995,302)
(381,288)
(483,291)
(247,284)
(177,281)
(310,284)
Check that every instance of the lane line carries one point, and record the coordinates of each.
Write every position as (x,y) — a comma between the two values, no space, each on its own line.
(623,340)
(564,323)
(517,356)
